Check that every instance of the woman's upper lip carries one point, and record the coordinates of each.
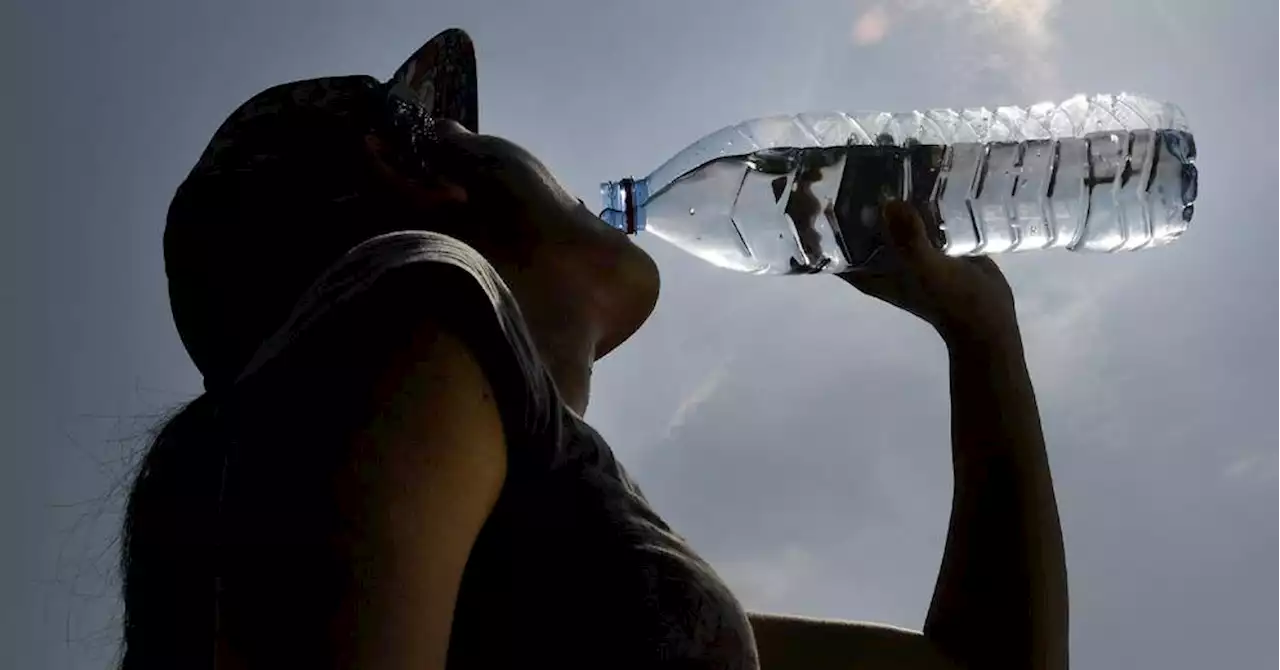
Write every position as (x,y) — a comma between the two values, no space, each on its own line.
(445,126)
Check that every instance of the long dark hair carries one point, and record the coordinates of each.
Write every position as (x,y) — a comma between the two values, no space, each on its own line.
(167,547)
(232,528)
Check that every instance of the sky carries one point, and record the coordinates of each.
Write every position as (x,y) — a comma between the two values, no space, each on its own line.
(795,431)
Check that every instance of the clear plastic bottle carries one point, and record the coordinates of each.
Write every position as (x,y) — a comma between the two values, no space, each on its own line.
(801,194)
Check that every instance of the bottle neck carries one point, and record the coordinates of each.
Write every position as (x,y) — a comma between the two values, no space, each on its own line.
(624,202)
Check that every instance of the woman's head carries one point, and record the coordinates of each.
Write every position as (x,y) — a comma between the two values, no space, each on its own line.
(554,253)
(306,171)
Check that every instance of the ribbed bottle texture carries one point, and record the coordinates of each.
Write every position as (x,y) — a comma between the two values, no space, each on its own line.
(800,194)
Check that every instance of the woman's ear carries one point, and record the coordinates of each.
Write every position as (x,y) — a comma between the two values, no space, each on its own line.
(422,191)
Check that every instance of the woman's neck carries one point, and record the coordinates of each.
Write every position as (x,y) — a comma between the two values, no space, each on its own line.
(567,345)
(579,305)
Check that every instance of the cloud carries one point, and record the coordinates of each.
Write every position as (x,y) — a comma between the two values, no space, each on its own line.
(871,26)
(699,395)
(1253,467)
(1004,40)
(1030,17)
(768,582)
(1024,29)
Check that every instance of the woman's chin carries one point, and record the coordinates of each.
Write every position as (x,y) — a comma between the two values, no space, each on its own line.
(632,297)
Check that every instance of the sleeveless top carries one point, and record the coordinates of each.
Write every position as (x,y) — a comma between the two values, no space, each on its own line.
(573,568)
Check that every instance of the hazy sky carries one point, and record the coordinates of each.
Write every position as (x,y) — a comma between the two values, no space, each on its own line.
(794,430)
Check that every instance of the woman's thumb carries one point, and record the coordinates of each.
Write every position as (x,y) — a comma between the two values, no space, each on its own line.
(905,230)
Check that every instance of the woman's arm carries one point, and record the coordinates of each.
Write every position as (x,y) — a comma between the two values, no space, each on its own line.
(1001,595)
(423,477)
(351,542)
(800,643)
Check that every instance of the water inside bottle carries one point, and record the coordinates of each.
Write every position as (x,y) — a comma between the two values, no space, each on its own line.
(790,210)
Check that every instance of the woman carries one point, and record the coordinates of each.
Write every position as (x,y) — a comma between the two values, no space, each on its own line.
(396,320)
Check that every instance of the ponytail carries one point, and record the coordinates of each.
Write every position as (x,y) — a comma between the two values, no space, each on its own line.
(170,543)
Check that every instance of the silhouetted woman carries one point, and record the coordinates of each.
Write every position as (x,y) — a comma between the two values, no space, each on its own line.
(396,319)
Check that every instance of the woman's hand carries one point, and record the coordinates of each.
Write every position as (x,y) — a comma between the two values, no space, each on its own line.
(965,299)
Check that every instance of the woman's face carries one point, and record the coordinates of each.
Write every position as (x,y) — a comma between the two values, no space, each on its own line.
(550,249)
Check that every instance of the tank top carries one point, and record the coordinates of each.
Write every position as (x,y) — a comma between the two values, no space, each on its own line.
(573,568)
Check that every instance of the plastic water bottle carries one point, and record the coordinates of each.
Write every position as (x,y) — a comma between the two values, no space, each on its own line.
(801,194)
